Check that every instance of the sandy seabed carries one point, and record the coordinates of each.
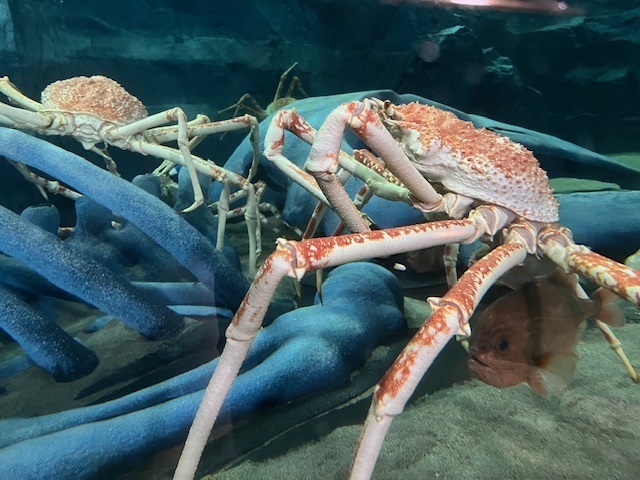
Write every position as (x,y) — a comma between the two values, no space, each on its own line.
(474,431)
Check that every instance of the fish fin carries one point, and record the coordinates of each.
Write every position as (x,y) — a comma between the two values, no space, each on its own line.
(606,307)
(554,374)
(537,382)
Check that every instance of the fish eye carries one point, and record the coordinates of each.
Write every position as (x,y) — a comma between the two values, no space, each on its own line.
(503,345)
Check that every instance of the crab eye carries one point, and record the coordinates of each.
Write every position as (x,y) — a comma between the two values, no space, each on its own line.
(503,345)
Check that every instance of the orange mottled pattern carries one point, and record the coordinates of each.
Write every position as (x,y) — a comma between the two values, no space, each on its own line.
(506,173)
(465,293)
(459,302)
(620,279)
(299,125)
(394,380)
(469,142)
(369,160)
(264,280)
(314,253)
(98,96)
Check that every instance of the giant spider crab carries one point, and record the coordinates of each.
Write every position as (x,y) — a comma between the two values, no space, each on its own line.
(97,110)
(489,186)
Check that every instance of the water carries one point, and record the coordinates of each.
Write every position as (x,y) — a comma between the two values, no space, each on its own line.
(114,306)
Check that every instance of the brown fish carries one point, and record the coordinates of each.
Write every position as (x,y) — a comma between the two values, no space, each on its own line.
(530,335)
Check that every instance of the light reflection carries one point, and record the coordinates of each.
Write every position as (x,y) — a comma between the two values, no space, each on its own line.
(552,7)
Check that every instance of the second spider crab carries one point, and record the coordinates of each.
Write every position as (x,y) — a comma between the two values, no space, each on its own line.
(251,105)
(489,187)
(97,110)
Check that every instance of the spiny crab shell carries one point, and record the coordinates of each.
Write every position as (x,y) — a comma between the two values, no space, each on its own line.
(91,106)
(98,96)
(477,163)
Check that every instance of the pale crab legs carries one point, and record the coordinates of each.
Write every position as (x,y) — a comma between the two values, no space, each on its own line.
(96,110)
(251,105)
(499,179)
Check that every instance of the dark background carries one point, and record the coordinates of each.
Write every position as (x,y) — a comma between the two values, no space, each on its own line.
(574,77)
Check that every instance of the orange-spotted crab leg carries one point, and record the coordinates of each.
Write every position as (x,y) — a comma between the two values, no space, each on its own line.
(327,158)
(364,121)
(450,314)
(556,243)
(624,281)
(289,120)
(295,259)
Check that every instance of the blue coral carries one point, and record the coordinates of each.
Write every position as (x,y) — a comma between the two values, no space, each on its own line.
(302,352)
(93,265)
